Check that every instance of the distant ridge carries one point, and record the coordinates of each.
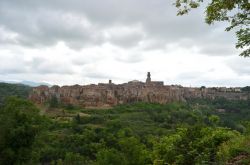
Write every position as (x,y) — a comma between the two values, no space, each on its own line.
(28,83)
(13,89)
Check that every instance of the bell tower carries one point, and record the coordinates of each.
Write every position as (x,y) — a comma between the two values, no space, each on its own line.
(148,80)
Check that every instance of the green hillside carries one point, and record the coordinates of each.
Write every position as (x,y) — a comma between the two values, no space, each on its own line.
(135,134)
(17,90)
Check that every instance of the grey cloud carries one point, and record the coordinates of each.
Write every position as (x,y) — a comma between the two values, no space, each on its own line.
(9,71)
(92,71)
(43,23)
(130,40)
(7,37)
(7,63)
(94,74)
(43,66)
(218,50)
(80,62)
(189,76)
(226,82)
(132,58)
(239,65)
(200,79)
(51,69)
(17,65)
(84,59)
(46,28)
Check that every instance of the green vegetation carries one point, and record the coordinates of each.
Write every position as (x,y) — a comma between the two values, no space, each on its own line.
(53,103)
(136,134)
(20,123)
(246,89)
(236,12)
(232,114)
(197,132)
(18,90)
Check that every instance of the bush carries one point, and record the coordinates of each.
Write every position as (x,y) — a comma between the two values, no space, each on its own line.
(20,124)
(53,102)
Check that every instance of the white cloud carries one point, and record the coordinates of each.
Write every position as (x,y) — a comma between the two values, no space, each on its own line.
(81,42)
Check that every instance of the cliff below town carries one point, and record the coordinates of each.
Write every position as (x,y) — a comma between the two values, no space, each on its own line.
(109,94)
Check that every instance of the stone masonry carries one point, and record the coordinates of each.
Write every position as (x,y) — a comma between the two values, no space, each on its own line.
(110,94)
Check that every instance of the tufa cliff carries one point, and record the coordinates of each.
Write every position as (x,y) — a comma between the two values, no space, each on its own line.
(109,94)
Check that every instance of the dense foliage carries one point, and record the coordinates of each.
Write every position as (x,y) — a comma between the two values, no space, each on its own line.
(20,123)
(18,90)
(136,134)
(246,89)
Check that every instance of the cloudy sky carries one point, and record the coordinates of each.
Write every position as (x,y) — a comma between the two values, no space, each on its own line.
(90,41)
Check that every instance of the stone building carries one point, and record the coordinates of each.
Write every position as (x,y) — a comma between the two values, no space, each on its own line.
(110,94)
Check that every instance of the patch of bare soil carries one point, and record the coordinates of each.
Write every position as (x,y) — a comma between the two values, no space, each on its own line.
(242,159)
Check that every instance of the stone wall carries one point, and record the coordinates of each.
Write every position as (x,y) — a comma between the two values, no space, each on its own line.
(108,95)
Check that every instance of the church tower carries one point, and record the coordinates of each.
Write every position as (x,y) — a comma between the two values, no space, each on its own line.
(148,80)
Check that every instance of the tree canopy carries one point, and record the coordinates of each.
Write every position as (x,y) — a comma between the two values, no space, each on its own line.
(20,123)
(19,90)
(134,134)
(235,12)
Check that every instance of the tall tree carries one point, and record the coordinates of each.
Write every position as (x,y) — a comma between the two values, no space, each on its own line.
(20,123)
(235,12)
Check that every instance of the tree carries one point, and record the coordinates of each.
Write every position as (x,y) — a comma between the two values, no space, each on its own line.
(236,12)
(235,151)
(18,90)
(110,157)
(20,123)
(53,103)
(134,151)
(214,120)
(194,145)
(246,89)
(74,159)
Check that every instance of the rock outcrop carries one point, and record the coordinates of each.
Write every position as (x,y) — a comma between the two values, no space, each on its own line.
(108,95)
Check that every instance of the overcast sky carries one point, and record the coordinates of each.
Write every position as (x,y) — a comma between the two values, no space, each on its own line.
(90,41)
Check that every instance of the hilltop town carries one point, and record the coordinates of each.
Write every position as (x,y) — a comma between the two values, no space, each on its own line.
(110,94)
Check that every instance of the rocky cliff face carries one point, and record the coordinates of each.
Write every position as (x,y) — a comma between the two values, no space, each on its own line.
(108,95)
